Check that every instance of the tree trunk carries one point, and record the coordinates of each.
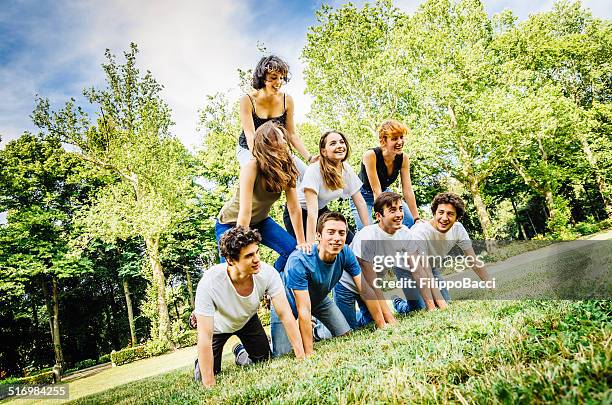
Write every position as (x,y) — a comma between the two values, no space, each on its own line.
(521,230)
(473,184)
(190,289)
(49,306)
(159,282)
(34,313)
(550,203)
(601,181)
(54,315)
(128,304)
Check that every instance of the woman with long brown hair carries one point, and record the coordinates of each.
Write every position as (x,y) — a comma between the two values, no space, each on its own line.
(262,180)
(327,180)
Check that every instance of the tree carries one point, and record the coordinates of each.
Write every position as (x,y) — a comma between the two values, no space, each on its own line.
(41,188)
(569,49)
(427,70)
(131,140)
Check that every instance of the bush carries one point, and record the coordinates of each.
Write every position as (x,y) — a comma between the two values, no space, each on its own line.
(85,364)
(128,355)
(156,347)
(104,358)
(42,378)
(187,338)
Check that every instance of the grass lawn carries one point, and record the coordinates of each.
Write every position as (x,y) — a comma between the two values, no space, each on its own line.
(474,352)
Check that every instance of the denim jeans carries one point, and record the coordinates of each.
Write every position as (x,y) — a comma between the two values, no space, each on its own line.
(368,196)
(272,235)
(345,300)
(414,301)
(325,311)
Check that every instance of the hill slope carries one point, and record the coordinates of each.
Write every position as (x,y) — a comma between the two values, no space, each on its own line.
(476,351)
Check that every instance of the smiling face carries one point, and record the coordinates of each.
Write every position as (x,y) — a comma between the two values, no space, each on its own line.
(391,219)
(274,81)
(444,217)
(331,239)
(335,147)
(394,143)
(248,262)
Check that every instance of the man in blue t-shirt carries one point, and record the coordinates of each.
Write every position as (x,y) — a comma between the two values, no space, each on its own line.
(308,279)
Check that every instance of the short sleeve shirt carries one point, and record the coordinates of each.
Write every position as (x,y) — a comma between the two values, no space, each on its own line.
(306,271)
(314,180)
(438,243)
(372,244)
(216,296)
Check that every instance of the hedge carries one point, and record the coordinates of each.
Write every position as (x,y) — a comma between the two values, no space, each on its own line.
(128,355)
(189,338)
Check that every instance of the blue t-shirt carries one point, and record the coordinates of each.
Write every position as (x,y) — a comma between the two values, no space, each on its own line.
(305,271)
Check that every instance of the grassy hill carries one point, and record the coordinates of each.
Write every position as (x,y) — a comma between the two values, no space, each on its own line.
(473,352)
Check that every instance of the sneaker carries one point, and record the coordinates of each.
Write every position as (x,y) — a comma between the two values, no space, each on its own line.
(197,376)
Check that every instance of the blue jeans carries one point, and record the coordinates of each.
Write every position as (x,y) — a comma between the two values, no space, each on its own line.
(414,301)
(345,300)
(368,196)
(325,311)
(272,235)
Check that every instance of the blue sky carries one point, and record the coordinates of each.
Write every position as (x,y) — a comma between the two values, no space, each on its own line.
(193,48)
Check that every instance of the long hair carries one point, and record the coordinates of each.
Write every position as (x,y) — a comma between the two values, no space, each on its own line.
(273,159)
(331,176)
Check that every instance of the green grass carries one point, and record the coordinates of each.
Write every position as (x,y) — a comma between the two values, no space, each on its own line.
(474,352)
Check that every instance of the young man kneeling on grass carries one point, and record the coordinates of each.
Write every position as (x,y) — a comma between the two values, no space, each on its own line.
(309,277)
(227,300)
(380,240)
(436,238)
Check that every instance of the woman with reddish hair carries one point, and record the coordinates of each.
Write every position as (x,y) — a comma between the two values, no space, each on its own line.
(381,166)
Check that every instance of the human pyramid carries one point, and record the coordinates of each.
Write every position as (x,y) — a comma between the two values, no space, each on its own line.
(318,253)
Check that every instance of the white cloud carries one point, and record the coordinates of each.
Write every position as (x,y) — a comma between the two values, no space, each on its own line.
(192,47)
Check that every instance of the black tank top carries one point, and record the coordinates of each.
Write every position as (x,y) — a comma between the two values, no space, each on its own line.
(381,171)
(258,121)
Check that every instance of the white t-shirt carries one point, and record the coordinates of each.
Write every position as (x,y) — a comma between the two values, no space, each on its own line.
(438,243)
(217,297)
(314,181)
(371,244)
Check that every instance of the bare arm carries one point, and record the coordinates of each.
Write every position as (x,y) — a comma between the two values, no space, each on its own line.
(205,352)
(248,173)
(302,302)
(246,120)
(431,295)
(283,310)
(312,207)
(407,190)
(369,275)
(295,213)
(369,162)
(368,296)
(362,208)
(294,137)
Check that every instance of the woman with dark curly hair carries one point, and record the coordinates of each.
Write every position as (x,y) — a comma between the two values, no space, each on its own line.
(267,103)
(262,180)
